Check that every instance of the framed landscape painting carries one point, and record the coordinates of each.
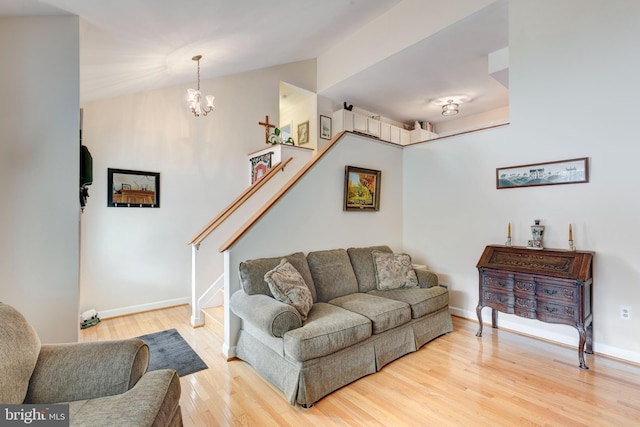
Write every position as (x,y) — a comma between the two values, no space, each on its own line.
(361,189)
(325,127)
(570,171)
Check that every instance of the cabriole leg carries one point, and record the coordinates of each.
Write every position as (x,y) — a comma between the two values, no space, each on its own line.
(583,339)
(479,314)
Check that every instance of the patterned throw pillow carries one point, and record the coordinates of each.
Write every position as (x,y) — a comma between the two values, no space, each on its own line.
(288,286)
(394,271)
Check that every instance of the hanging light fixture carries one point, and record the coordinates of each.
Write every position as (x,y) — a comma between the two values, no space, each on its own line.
(450,108)
(194,96)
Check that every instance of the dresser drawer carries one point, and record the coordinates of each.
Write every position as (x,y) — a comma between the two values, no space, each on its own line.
(501,301)
(556,313)
(524,285)
(497,281)
(554,292)
(525,307)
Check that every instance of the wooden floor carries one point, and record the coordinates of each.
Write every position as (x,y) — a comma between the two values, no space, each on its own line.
(503,379)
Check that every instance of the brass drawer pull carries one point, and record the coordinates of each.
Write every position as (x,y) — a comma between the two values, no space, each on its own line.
(550,309)
(550,291)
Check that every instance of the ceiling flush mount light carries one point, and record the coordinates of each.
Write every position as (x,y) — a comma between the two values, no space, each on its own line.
(194,96)
(450,108)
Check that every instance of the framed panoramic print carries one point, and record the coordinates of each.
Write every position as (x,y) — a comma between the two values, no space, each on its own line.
(572,171)
(303,133)
(133,189)
(361,189)
(325,127)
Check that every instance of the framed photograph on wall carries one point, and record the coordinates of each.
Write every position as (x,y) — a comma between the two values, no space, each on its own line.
(133,189)
(303,133)
(325,127)
(572,171)
(361,189)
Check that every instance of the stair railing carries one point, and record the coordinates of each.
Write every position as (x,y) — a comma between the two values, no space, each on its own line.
(196,313)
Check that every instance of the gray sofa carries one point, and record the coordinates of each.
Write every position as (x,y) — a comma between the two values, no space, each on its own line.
(104,383)
(353,328)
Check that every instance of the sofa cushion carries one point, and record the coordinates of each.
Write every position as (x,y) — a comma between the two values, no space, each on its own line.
(394,271)
(423,301)
(332,274)
(328,328)
(287,285)
(19,350)
(252,273)
(362,263)
(426,278)
(384,313)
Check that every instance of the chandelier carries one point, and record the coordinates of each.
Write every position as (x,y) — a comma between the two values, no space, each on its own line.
(194,96)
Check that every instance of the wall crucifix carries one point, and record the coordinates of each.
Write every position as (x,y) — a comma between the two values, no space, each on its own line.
(267,126)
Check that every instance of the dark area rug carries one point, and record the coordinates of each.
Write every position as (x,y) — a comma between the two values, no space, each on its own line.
(168,350)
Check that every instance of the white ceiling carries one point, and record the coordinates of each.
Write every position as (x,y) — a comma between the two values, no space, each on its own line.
(129,46)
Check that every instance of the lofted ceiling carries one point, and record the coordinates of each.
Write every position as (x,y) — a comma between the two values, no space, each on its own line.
(129,46)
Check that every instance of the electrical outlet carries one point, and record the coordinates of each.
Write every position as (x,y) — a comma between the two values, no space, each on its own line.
(625,312)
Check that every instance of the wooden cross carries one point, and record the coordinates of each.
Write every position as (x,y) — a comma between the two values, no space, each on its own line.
(266,125)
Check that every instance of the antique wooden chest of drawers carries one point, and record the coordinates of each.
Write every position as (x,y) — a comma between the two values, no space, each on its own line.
(553,286)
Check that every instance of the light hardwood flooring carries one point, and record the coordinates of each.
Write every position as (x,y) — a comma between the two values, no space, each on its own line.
(502,379)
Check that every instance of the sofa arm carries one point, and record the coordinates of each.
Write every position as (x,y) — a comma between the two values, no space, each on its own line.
(426,278)
(265,313)
(78,371)
(153,401)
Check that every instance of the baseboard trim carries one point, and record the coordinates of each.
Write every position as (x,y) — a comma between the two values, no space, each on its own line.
(133,309)
(229,352)
(558,338)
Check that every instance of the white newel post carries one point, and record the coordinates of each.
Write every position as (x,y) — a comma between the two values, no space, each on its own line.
(196,314)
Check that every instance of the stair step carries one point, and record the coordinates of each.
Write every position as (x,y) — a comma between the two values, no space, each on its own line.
(214,318)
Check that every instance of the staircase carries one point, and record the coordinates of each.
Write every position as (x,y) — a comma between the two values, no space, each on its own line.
(266,179)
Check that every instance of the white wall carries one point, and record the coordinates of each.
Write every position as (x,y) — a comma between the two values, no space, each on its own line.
(310,216)
(138,258)
(39,158)
(573,54)
(403,25)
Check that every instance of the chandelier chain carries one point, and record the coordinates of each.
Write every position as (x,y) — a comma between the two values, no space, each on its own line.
(198,74)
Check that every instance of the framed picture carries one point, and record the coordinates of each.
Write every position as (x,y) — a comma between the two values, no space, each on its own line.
(303,133)
(572,171)
(325,127)
(133,189)
(260,165)
(361,189)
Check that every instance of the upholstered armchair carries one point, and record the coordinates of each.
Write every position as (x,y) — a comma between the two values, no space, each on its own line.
(104,383)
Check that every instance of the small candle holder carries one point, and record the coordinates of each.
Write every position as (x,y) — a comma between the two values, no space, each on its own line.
(571,247)
(508,242)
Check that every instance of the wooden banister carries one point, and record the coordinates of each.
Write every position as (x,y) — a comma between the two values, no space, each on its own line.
(235,205)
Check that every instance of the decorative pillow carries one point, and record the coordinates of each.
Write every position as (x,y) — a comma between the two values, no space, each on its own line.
(288,286)
(394,271)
